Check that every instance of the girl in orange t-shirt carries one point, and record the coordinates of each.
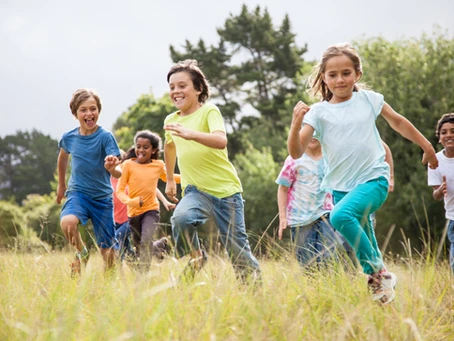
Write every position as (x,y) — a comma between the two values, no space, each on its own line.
(141,172)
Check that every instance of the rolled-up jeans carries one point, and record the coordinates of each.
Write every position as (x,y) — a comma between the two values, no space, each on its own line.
(351,217)
(195,209)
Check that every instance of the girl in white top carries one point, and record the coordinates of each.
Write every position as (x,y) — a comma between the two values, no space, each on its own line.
(357,173)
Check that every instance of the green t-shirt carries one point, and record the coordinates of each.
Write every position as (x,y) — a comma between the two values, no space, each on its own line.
(206,168)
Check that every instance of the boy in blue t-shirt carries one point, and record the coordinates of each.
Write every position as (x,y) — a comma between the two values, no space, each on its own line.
(94,158)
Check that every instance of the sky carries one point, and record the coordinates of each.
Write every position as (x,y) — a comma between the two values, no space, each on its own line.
(50,48)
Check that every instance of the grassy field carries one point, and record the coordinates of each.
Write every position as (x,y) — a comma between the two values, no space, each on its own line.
(39,301)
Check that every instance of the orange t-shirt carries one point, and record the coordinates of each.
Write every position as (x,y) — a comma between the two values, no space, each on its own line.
(141,181)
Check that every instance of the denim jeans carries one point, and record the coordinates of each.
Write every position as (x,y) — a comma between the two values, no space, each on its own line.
(197,208)
(451,241)
(316,244)
(123,235)
(351,217)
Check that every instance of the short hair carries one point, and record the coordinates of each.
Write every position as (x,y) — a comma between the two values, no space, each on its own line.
(198,78)
(80,96)
(446,118)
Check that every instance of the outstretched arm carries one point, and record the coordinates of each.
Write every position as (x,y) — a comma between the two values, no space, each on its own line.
(408,130)
(168,205)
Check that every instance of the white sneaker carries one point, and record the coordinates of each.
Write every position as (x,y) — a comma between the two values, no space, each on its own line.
(382,286)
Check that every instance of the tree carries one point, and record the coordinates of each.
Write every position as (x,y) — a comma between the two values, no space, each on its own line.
(147,113)
(27,164)
(254,70)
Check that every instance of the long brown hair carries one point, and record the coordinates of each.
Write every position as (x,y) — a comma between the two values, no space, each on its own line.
(317,86)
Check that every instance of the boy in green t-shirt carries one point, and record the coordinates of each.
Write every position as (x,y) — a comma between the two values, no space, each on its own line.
(211,187)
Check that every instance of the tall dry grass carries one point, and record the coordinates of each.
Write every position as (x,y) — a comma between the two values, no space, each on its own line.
(39,301)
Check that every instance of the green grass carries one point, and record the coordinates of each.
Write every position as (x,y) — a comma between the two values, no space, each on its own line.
(39,301)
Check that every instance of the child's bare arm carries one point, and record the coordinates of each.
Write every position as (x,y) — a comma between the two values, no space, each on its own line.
(62,166)
(404,127)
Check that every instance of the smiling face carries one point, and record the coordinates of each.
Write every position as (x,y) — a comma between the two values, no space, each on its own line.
(87,114)
(144,150)
(183,94)
(446,136)
(340,77)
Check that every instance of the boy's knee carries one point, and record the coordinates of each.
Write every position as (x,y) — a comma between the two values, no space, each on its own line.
(69,223)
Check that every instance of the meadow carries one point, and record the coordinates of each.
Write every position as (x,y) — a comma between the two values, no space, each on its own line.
(40,301)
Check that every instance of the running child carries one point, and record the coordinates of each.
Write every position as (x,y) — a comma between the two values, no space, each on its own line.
(195,134)
(357,175)
(305,208)
(442,178)
(141,171)
(94,158)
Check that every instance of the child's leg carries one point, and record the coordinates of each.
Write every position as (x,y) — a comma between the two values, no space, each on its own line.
(229,219)
(69,226)
(101,215)
(451,241)
(305,240)
(351,213)
(150,222)
(108,255)
(193,210)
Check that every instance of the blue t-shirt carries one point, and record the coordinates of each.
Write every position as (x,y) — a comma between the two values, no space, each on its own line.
(350,140)
(88,174)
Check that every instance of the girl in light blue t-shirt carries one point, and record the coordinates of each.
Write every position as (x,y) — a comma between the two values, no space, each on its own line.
(357,173)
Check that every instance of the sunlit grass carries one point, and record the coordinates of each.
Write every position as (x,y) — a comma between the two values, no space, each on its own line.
(39,301)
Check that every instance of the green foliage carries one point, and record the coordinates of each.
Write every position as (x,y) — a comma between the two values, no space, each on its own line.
(11,222)
(147,113)
(254,71)
(416,77)
(27,164)
(258,172)
(42,214)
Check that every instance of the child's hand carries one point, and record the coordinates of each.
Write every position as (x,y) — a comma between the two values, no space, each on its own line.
(110,162)
(168,205)
(431,158)
(60,193)
(180,131)
(282,227)
(299,111)
(171,190)
(443,188)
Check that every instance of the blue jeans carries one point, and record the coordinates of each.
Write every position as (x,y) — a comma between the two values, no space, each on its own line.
(316,243)
(351,217)
(197,208)
(451,240)
(123,235)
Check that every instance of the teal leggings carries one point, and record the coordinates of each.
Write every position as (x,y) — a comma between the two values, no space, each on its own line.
(350,217)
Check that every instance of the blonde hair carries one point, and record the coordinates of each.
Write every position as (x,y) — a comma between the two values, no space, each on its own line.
(317,86)
(80,96)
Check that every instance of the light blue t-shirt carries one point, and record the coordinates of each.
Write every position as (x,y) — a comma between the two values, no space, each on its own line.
(88,174)
(350,140)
